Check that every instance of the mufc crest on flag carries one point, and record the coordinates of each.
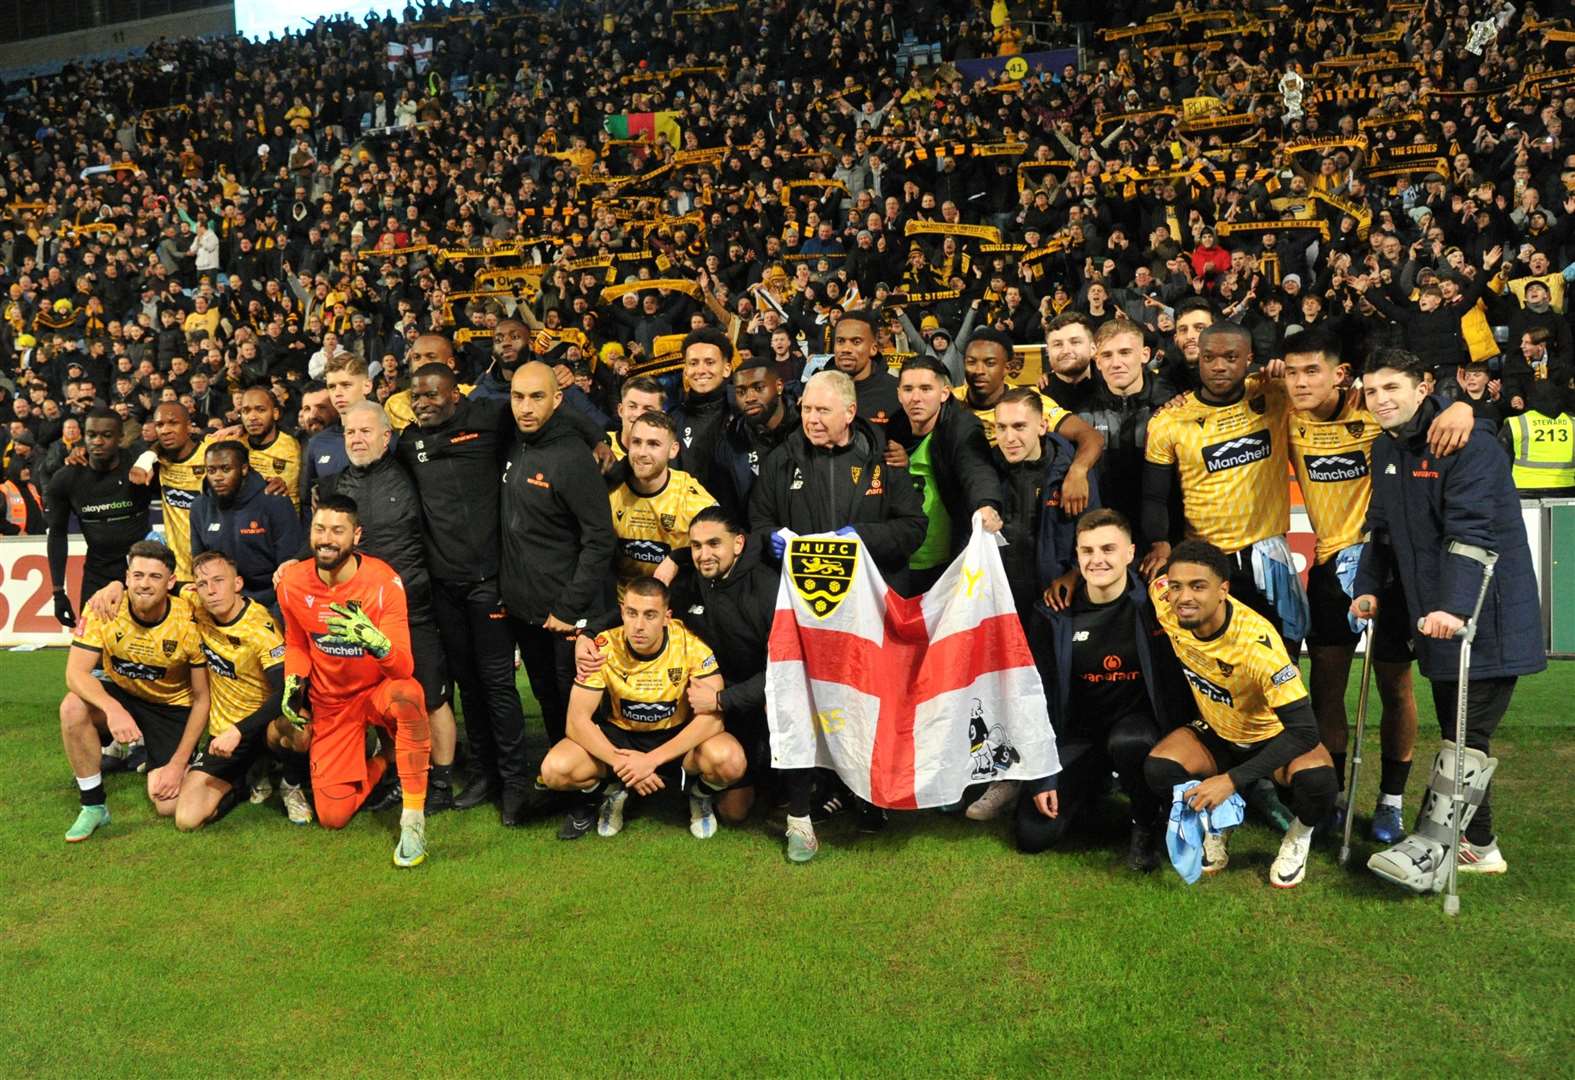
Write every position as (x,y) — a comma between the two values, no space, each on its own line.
(822,571)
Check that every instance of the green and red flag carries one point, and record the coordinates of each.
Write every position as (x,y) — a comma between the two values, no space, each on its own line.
(644,125)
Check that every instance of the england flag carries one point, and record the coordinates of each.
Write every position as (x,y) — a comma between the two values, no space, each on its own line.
(909,700)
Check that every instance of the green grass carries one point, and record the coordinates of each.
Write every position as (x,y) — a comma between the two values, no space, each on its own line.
(255,948)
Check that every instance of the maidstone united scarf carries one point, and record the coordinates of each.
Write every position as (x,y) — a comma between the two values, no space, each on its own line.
(910,701)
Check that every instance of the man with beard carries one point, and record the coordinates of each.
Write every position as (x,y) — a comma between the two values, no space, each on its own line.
(1069,352)
(855,343)
(653,505)
(701,416)
(949,462)
(154,690)
(272,454)
(1178,371)
(984,365)
(765,418)
(426,349)
(347,668)
(112,510)
(315,414)
(452,454)
(558,539)
(389,522)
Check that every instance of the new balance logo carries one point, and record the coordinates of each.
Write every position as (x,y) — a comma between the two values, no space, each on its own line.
(1390,470)
(1244,450)
(1081,635)
(1333,468)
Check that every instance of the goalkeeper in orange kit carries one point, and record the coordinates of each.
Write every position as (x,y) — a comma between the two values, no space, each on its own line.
(347,666)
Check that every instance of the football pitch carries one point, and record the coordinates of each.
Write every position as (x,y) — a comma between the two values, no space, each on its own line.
(255,948)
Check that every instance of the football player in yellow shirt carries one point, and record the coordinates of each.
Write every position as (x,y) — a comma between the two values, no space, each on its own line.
(1331,439)
(1255,717)
(654,505)
(651,735)
(272,454)
(181,471)
(155,689)
(244,648)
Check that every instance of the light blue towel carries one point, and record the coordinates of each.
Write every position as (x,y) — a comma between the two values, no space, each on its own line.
(1346,560)
(1274,572)
(1184,831)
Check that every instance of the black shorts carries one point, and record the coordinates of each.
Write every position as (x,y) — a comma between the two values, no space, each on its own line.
(1330,607)
(431,662)
(643,742)
(161,725)
(1226,754)
(233,769)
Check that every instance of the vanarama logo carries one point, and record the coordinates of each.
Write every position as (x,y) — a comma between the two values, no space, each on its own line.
(538,481)
(1244,450)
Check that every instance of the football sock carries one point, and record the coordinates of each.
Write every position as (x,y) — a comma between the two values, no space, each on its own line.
(412,749)
(91,789)
(295,766)
(1392,777)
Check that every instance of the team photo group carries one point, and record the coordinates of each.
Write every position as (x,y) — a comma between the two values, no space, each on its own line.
(815,447)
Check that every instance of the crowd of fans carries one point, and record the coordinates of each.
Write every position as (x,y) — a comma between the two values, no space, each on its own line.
(218,214)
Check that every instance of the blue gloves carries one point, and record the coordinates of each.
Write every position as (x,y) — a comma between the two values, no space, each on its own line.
(779,540)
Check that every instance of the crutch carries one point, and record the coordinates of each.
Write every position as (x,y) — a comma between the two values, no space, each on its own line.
(1466,635)
(1361,729)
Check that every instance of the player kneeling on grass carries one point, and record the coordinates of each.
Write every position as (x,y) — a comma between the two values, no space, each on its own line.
(347,667)
(245,656)
(156,688)
(1257,720)
(651,736)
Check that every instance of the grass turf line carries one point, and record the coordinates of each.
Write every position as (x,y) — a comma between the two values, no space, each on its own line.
(259,948)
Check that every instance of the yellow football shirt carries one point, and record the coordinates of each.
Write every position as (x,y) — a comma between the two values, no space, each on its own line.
(280,459)
(651,693)
(1239,677)
(239,653)
(1332,459)
(1232,460)
(180,482)
(1054,414)
(649,527)
(151,661)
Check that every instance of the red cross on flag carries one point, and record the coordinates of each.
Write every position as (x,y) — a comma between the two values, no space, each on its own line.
(910,701)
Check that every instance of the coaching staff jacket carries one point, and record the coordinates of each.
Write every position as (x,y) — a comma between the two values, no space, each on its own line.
(733,615)
(1041,538)
(556,526)
(257,530)
(455,466)
(390,517)
(812,489)
(1420,504)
